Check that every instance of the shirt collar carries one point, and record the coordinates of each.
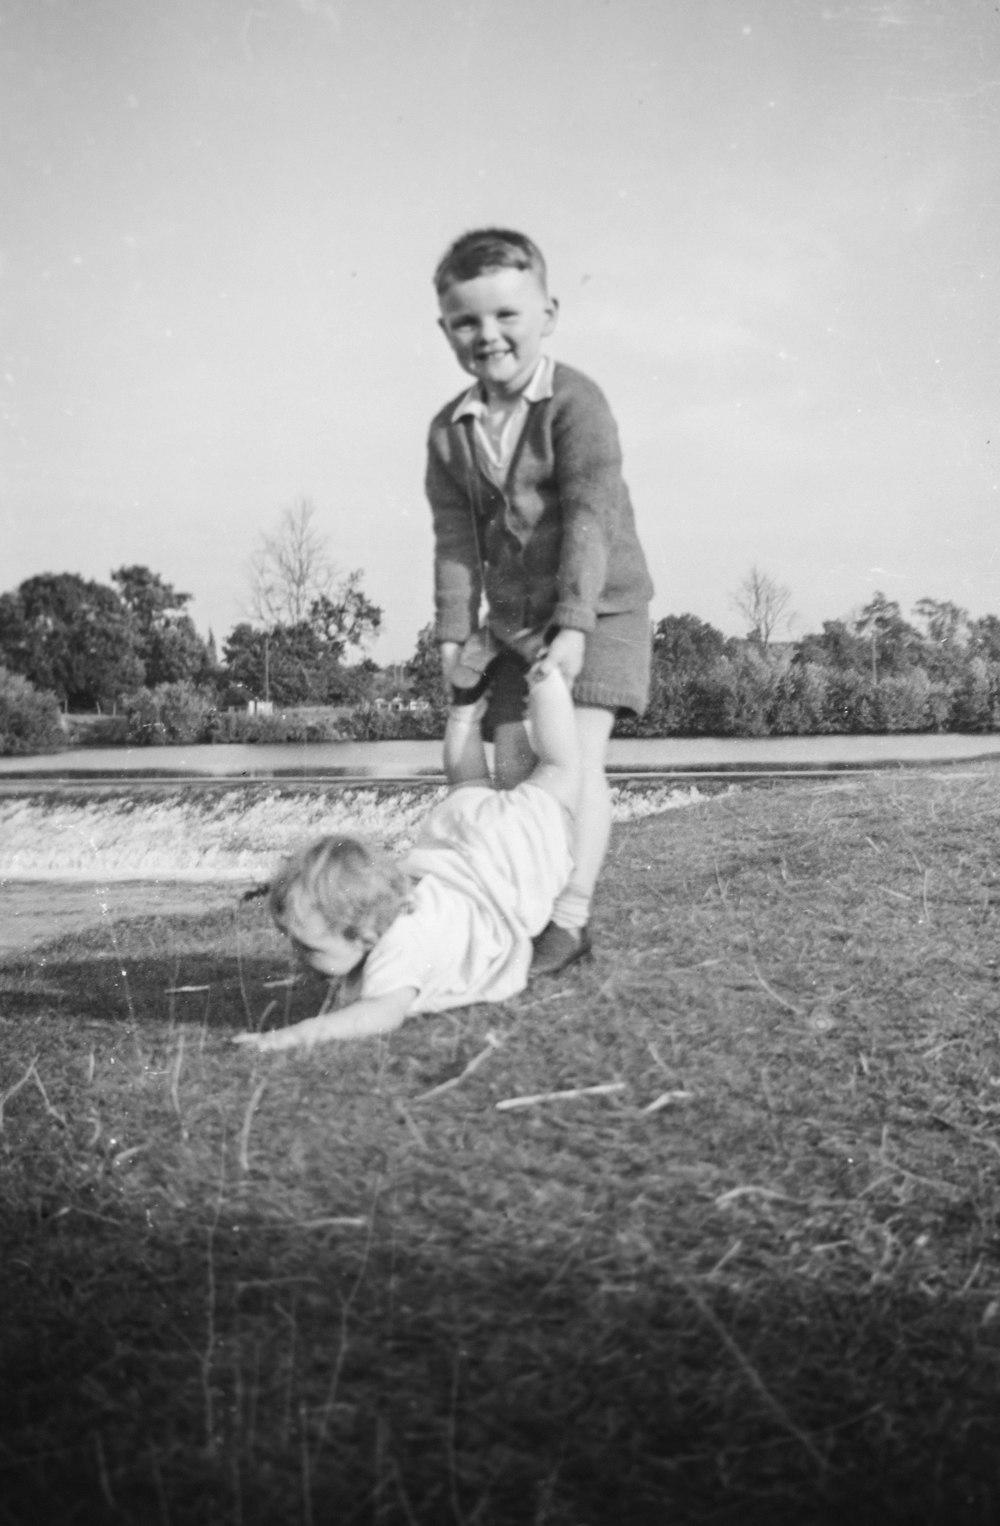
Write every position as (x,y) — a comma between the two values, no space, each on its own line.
(537,389)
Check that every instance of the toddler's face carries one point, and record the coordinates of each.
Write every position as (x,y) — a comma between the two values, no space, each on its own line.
(327,952)
(495,324)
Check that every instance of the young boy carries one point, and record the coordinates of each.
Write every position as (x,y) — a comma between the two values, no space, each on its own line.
(453,923)
(531,511)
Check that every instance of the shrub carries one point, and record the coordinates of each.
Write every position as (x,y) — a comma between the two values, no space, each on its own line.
(799,701)
(734,696)
(320,723)
(909,702)
(669,710)
(30,720)
(850,703)
(975,697)
(175,713)
(370,723)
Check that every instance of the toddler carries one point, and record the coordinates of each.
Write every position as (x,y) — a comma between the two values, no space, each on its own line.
(452,923)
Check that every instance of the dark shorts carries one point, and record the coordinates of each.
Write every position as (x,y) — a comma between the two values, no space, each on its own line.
(615,673)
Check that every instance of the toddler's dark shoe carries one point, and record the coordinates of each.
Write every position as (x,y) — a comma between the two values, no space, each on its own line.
(461,697)
(473,693)
(556,948)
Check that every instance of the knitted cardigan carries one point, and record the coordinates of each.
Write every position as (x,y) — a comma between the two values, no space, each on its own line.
(558,546)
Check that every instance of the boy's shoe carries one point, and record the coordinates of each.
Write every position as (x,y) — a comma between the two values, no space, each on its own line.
(558,947)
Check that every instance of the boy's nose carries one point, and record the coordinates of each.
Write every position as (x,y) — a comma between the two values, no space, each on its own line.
(489,330)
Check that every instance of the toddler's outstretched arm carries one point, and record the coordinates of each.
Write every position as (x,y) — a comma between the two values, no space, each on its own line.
(361,1020)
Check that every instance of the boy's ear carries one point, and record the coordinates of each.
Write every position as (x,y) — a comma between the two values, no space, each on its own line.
(551,316)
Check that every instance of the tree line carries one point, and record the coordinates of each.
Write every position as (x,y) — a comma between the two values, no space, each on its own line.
(130,649)
(873,671)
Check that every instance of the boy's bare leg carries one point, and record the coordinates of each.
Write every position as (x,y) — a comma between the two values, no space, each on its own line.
(592,818)
(567,936)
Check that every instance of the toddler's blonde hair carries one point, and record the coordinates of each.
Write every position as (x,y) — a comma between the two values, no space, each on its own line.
(359,893)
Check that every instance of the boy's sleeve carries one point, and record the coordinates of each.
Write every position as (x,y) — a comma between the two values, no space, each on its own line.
(592,498)
(457,573)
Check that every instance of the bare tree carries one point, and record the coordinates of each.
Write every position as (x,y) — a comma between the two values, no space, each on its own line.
(291,569)
(762,602)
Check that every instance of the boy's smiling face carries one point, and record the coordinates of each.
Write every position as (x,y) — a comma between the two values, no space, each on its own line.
(495,323)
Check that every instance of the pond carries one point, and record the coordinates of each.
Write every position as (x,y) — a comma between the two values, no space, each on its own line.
(408,760)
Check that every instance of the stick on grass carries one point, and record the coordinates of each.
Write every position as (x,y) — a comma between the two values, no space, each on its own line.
(492,1043)
(604,1090)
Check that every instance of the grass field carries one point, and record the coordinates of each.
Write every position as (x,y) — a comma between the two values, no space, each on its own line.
(755,1278)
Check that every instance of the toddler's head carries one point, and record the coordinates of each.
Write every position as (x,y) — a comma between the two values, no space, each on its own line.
(334,899)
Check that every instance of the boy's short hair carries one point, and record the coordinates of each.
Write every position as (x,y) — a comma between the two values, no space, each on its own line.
(486,249)
(357,892)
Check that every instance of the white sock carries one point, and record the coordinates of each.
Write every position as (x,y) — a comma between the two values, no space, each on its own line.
(571,910)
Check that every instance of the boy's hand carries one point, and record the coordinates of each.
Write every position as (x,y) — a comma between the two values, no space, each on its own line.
(565,652)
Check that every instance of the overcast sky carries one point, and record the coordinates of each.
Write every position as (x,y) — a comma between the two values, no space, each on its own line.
(772,225)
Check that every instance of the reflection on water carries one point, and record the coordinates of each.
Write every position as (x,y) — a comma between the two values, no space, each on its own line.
(402,760)
(235,760)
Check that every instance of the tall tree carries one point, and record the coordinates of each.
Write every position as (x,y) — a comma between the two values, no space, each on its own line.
(73,636)
(291,570)
(946,636)
(984,637)
(168,643)
(684,641)
(762,602)
(947,624)
(423,670)
(290,665)
(837,647)
(346,620)
(894,645)
(147,596)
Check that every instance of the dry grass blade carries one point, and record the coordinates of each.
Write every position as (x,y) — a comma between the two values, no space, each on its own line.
(492,1044)
(604,1089)
(751,1372)
(244,1140)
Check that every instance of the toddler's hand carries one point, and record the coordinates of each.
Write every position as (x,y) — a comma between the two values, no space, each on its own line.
(277,1038)
(565,652)
(449,657)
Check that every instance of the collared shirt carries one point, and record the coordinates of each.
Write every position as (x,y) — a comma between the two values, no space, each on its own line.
(498,429)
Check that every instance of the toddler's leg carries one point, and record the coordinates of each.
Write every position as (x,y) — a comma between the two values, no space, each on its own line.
(468,682)
(464,753)
(550,710)
(513,755)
